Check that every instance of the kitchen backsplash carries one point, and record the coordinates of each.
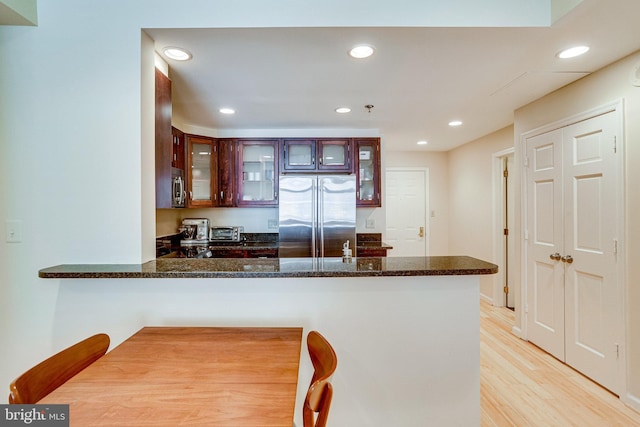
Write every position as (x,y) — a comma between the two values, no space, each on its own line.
(254,220)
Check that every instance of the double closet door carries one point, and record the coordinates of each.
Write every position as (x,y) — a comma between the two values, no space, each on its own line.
(573,289)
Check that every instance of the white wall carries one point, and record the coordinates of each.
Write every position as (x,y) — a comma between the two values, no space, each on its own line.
(471,202)
(600,88)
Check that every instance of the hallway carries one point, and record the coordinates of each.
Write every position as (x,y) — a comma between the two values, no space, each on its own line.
(522,385)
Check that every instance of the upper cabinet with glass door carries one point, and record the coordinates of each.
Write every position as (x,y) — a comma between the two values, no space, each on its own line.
(316,155)
(367,172)
(200,163)
(334,155)
(257,183)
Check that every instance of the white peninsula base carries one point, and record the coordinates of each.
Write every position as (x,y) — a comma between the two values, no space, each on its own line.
(408,347)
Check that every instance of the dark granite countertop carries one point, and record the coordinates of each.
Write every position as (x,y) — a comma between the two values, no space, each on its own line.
(373,245)
(244,245)
(275,267)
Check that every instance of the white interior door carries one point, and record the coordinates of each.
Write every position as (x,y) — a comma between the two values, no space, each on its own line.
(591,282)
(574,294)
(545,272)
(406,201)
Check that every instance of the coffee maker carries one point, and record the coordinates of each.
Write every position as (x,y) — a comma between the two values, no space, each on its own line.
(195,231)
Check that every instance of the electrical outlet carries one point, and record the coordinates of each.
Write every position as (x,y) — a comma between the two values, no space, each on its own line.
(371,223)
(272,224)
(14,231)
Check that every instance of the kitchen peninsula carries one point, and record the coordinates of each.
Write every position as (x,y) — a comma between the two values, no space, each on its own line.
(406,330)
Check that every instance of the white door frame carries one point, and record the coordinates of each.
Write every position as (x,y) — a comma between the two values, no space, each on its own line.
(426,200)
(616,106)
(498,226)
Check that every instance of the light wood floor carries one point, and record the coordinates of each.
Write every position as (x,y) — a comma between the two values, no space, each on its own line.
(522,385)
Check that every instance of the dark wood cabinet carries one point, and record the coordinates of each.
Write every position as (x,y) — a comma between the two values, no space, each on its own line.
(367,169)
(316,155)
(229,172)
(298,155)
(334,155)
(179,149)
(163,143)
(225,171)
(201,161)
(257,172)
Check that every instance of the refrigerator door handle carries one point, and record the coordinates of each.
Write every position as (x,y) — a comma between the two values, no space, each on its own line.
(314,218)
(320,221)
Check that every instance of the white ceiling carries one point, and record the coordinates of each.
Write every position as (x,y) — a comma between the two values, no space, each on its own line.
(418,79)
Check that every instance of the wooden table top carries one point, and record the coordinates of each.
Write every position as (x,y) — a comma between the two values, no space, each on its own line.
(173,376)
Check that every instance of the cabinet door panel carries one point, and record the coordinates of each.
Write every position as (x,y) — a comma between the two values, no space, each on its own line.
(226,172)
(257,179)
(299,155)
(367,160)
(334,155)
(199,166)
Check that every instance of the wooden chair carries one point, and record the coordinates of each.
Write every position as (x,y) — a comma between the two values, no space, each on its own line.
(51,373)
(320,391)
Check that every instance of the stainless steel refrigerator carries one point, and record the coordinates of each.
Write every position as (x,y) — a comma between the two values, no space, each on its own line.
(317,215)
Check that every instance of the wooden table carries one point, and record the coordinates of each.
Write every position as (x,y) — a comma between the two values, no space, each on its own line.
(201,376)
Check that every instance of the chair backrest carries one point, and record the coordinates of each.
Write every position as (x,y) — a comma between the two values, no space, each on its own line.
(51,373)
(320,393)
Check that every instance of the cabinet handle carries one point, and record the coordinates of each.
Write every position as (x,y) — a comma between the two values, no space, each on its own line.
(568,259)
(555,257)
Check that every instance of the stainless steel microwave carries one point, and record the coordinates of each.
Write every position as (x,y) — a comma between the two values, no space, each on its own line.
(178,192)
(226,234)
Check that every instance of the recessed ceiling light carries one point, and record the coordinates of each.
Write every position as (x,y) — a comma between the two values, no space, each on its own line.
(343,110)
(573,52)
(423,142)
(227,111)
(361,51)
(454,123)
(177,53)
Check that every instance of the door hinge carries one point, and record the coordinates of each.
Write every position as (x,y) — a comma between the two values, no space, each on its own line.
(506,231)
(505,173)
(526,161)
(617,350)
(615,144)
(506,289)
(615,246)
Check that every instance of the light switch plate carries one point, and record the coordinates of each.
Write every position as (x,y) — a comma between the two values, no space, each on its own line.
(371,223)
(14,231)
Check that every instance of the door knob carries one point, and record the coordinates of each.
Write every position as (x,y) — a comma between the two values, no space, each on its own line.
(568,259)
(555,257)
(421,234)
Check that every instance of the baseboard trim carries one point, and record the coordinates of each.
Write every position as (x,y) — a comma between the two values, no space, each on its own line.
(516,331)
(486,298)
(631,401)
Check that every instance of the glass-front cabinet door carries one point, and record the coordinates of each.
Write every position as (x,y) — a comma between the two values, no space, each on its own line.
(257,173)
(334,155)
(200,161)
(368,172)
(299,155)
